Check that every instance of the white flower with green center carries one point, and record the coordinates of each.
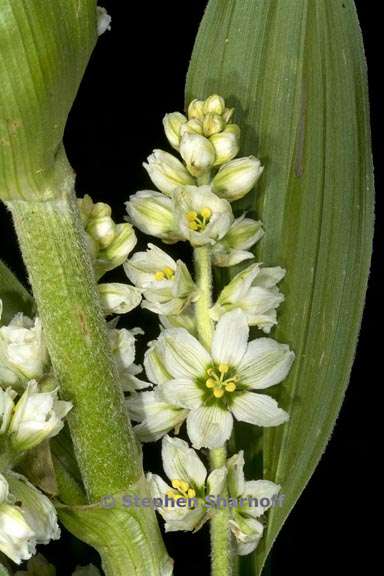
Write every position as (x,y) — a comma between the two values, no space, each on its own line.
(23,353)
(167,172)
(118,298)
(189,482)
(256,497)
(37,416)
(23,525)
(156,417)
(216,386)
(253,290)
(167,285)
(202,217)
(154,214)
(122,343)
(234,247)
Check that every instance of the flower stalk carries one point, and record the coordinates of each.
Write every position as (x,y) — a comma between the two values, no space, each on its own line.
(221,546)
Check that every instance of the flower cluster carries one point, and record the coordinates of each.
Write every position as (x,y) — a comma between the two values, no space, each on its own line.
(208,382)
(31,413)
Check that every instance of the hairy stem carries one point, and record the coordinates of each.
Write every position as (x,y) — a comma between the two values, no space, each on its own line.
(53,245)
(221,541)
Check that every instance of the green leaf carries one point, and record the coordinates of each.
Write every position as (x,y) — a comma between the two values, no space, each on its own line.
(14,296)
(115,530)
(3,571)
(45,47)
(296,73)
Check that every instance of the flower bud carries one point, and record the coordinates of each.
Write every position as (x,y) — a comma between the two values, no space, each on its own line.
(236,178)
(102,230)
(172,123)
(196,109)
(233,248)
(212,124)
(214,104)
(16,536)
(119,298)
(6,410)
(193,126)
(153,214)
(37,416)
(118,250)
(167,172)
(198,153)
(226,144)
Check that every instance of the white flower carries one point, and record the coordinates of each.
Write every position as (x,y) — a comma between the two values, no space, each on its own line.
(23,354)
(118,298)
(37,416)
(166,284)
(172,124)
(236,178)
(196,109)
(103,20)
(258,496)
(241,236)
(226,144)
(167,172)
(202,217)
(214,104)
(197,152)
(32,521)
(38,510)
(254,291)
(154,214)
(189,482)
(216,386)
(122,343)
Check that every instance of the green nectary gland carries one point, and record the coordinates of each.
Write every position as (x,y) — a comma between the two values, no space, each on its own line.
(222,378)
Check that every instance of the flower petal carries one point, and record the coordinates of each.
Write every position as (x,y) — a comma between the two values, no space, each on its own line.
(181,392)
(230,338)
(265,363)
(216,481)
(209,427)
(156,418)
(180,462)
(247,532)
(261,490)
(184,355)
(258,409)
(236,480)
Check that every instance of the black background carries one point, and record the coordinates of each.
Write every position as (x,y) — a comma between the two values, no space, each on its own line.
(136,74)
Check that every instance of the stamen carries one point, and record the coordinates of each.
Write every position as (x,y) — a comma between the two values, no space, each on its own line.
(169,273)
(159,275)
(191,216)
(210,383)
(230,386)
(206,213)
(223,368)
(218,392)
(191,493)
(175,484)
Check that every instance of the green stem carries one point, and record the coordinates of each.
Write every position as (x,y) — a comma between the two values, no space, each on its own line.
(203,273)
(53,245)
(221,541)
